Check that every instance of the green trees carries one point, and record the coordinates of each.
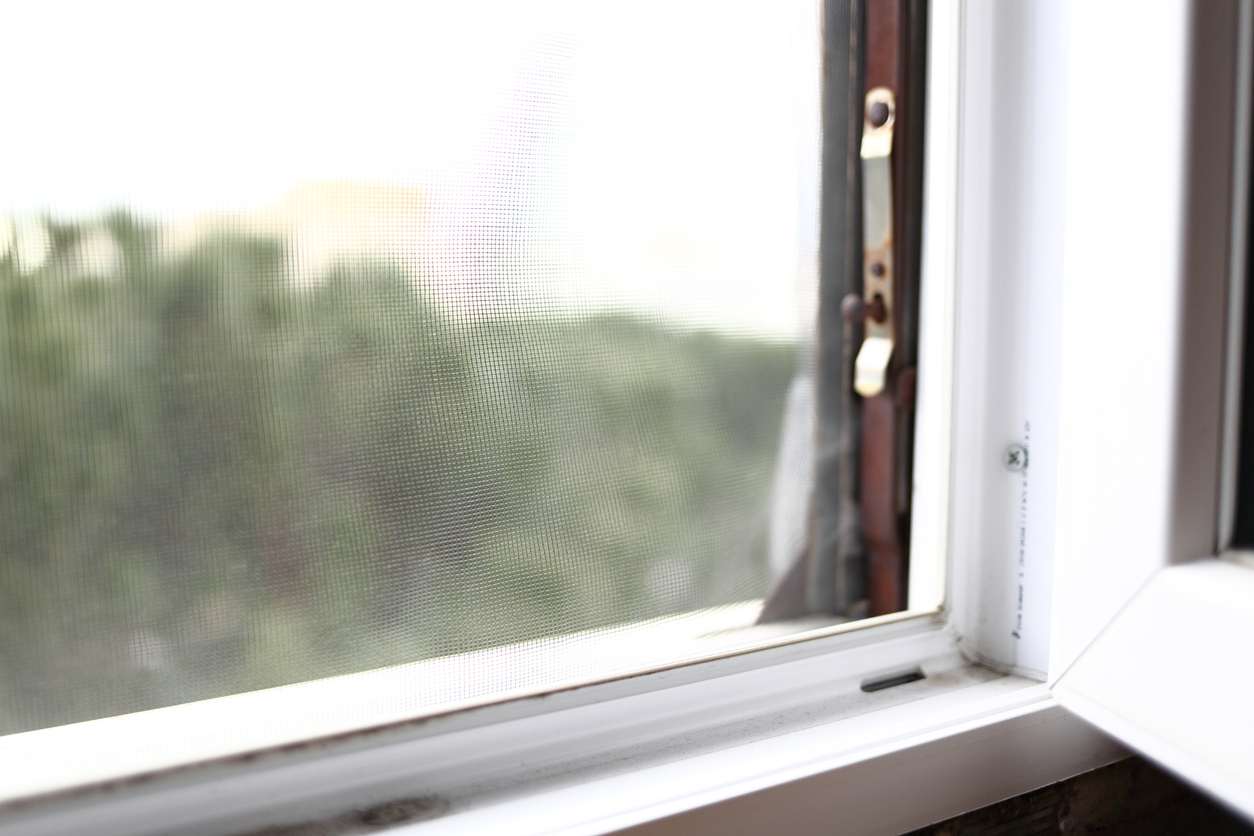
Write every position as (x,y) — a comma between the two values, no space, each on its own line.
(214,480)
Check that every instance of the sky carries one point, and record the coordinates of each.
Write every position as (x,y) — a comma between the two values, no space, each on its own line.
(660,157)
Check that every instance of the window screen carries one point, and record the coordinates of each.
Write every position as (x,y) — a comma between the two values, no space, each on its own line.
(341,337)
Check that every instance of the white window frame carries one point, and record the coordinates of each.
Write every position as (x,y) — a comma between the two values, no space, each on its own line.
(1156,655)
(1037,224)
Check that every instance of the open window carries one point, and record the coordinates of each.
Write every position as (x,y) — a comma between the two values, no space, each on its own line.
(1158,659)
(727,721)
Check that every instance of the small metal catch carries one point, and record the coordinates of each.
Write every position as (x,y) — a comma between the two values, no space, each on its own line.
(871,366)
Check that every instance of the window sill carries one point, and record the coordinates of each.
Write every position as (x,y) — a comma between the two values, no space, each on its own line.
(125,747)
(784,733)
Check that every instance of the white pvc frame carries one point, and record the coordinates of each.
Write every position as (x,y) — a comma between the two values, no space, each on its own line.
(1157,653)
(783,738)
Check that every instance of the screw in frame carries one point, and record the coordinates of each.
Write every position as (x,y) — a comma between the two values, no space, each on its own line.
(1015,458)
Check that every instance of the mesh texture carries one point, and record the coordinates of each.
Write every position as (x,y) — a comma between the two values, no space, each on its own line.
(411,332)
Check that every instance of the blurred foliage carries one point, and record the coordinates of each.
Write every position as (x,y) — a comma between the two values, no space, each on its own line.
(214,480)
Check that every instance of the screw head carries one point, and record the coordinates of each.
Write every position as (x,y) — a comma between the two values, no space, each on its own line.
(1015,458)
(877,114)
(853,308)
(877,310)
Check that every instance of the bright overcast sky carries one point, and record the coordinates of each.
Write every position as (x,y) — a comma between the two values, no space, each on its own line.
(693,122)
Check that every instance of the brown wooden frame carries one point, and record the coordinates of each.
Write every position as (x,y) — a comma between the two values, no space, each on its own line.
(857,559)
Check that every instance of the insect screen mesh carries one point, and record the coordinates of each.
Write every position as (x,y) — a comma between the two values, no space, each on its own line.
(340,338)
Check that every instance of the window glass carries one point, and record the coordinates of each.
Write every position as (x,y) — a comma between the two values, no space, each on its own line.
(340,337)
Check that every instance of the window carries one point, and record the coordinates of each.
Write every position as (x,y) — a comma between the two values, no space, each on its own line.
(491,389)
(1033,563)
(1171,613)
(353,341)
